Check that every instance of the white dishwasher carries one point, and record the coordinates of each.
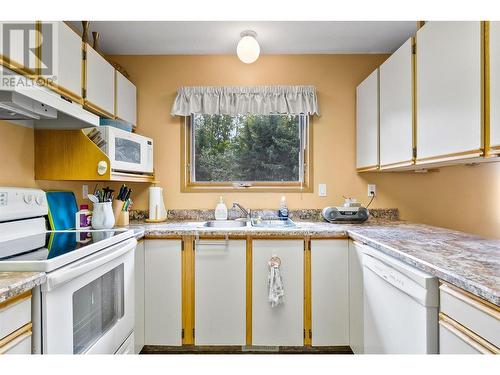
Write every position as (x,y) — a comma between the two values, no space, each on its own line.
(400,306)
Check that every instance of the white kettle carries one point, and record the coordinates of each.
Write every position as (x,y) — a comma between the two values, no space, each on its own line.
(157,211)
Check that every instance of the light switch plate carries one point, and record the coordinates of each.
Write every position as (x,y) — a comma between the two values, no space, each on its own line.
(322,190)
(372,190)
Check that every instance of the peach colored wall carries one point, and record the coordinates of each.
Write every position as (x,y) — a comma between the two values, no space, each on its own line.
(335,76)
(463,198)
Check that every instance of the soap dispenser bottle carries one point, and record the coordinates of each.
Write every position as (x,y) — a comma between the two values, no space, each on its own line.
(221,210)
(283,211)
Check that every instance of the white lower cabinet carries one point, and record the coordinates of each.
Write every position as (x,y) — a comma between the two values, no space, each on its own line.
(453,341)
(139,297)
(356,340)
(281,325)
(15,325)
(467,324)
(163,292)
(220,297)
(329,293)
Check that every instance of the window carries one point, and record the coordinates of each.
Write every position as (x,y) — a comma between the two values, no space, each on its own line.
(247,151)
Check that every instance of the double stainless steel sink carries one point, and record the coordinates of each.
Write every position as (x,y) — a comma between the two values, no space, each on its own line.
(225,224)
(261,223)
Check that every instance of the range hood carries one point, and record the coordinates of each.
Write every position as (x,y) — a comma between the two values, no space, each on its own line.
(32,104)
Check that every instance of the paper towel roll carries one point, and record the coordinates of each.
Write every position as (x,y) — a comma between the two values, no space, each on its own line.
(157,209)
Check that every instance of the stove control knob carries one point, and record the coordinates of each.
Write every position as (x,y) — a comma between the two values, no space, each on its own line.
(40,200)
(28,198)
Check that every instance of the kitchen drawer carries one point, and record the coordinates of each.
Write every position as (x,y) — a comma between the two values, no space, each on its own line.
(456,339)
(478,316)
(18,342)
(14,314)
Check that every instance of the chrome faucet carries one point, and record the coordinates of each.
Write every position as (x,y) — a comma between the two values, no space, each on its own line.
(246,212)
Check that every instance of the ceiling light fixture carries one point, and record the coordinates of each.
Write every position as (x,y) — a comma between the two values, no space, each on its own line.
(248,49)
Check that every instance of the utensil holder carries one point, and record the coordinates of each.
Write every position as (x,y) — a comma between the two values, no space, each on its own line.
(122,219)
(102,216)
(117,208)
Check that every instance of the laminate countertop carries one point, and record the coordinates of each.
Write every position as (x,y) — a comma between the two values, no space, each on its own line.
(467,261)
(15,283)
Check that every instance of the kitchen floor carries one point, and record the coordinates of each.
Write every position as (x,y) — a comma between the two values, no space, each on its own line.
(148,349)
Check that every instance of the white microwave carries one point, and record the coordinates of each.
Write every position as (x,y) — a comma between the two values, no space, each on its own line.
(127,152)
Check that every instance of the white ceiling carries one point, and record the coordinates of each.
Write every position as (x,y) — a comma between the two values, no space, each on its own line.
(221,37)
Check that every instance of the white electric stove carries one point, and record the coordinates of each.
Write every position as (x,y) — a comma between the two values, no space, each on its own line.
(87,303)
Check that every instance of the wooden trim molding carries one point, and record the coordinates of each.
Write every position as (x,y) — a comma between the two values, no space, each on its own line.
(188,186)
(26,329)
(406,163)
(97,110)
(449,157)
(15,299)
(371,168)
(188,290)
(471,299)
(485,82)
(249,290)
(467,335)
(307,293)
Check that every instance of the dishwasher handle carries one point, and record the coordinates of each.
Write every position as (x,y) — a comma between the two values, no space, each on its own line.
(398,280)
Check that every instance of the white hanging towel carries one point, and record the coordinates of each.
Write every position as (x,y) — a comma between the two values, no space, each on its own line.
(275,282)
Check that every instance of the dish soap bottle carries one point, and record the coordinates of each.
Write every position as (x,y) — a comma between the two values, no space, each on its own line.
(283,211)
(221,210)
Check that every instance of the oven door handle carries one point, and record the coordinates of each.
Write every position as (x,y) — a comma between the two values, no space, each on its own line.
(78,268)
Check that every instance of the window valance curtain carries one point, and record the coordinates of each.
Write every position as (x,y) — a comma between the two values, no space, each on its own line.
(260,100)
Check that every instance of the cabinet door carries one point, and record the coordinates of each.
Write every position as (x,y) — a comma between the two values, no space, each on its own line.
(396,107)
(449,90)
(17,39)
(453,341)
(356,341)
(139,297)
(100,78)
(66,50)
(163,292)
(282,325)
(367,123)
(220,292)
(329,293)
(494,33)
(126,99)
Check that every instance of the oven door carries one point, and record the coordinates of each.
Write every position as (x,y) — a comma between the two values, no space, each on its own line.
(130,152)
(88,305)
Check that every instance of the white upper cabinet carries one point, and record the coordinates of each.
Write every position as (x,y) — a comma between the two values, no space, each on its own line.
(220,297)
(396,108)
(66,61)
(13,36)
(448,70)
(126,99)
(329,293)
(367,123)
(494,46)
(100,82)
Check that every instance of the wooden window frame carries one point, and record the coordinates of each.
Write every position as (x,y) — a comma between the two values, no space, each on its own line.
(189,186)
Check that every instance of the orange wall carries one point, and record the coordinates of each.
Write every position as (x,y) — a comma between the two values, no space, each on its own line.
(463,198)
(335,76)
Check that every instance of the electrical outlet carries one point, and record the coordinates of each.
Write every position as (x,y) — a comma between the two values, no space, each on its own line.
(372,190)
(322,190)
(85,191)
